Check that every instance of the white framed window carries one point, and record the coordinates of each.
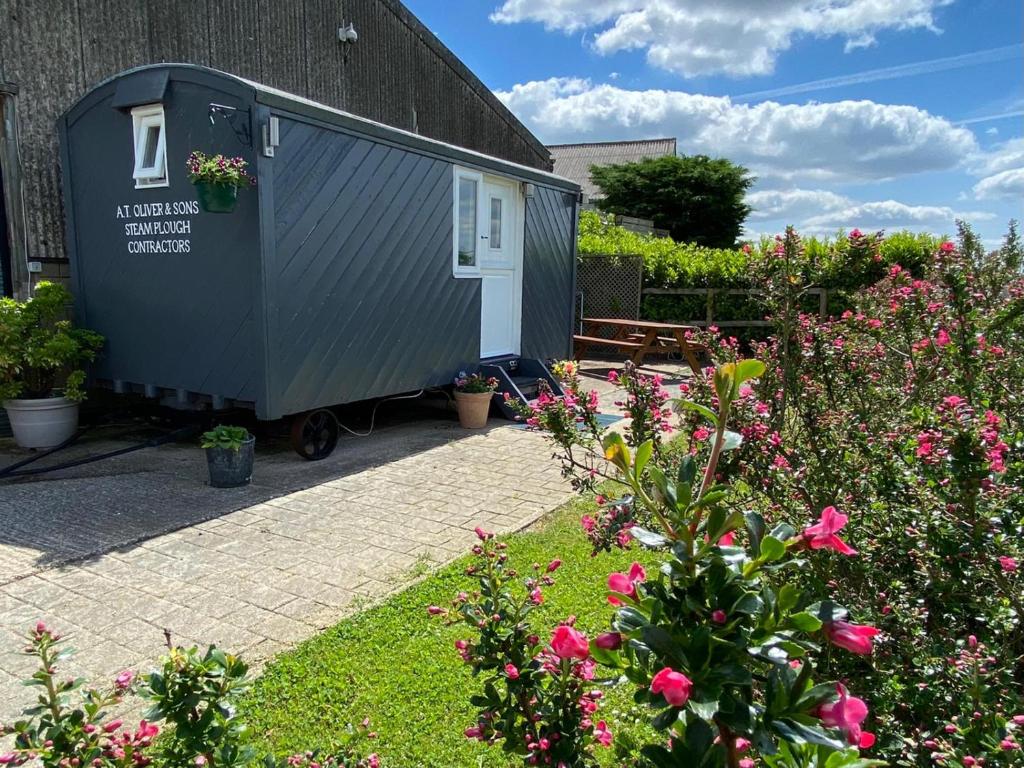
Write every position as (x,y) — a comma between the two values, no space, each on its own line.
(468,223)
(150,137)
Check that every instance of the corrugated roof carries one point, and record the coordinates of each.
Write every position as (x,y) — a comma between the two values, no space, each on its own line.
(573,161)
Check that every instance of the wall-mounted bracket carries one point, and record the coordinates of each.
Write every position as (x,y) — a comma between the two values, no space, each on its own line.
(237,118)
(271,136)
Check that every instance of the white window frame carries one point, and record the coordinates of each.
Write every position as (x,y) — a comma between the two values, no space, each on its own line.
(143,119)
(461,270)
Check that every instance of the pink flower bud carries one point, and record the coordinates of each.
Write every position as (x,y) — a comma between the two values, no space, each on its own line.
(719,616)
(554,565)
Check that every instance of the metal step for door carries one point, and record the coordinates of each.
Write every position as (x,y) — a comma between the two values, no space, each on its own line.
(520,377)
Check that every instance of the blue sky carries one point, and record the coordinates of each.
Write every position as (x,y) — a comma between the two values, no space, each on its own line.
(905,134)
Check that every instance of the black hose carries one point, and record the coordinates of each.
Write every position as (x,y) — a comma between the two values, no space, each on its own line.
(36,456)
(12,471)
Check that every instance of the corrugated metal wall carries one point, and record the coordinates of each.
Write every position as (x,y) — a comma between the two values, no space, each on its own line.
(398,73)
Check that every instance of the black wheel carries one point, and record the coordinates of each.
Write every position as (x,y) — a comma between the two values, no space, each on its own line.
(314,434)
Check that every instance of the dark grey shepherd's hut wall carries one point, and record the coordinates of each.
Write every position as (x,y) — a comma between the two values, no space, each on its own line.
(183,319)
(549,259)
(362,294)
(398,73)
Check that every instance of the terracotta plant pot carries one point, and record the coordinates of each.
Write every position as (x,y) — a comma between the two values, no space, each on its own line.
(473,408)
(217,198)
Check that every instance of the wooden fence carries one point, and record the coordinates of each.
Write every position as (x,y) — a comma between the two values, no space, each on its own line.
(710,293)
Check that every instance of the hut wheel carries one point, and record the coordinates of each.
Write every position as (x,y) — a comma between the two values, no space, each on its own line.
(314,434)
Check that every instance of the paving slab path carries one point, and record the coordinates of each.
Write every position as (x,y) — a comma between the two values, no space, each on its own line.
(284,564)
(114,553)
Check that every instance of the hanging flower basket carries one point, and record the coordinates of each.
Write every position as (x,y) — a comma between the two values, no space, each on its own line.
(217,198)
(217,179)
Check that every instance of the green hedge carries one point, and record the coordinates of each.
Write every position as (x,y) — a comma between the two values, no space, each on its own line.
(667,264)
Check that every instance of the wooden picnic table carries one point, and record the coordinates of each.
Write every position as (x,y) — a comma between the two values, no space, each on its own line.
(637,337)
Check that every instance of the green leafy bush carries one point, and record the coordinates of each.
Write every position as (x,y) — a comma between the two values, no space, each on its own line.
(39,346)
(845,263)
(223,436)
(193,721)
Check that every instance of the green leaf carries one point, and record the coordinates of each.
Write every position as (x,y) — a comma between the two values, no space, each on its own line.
(756,528)
(805,622)
(665,718)
(798,733)
(750,603)
(828,611)
(700,737)
(731,441)
(772,549)
(616,451)
(783,532)
(643,455)
(703,410)
(665,487)
(687,470)
(789,596)
(703,709)
(711,497)
(648,538)
(749,369)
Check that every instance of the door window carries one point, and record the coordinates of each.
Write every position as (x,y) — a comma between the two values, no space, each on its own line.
(494,241)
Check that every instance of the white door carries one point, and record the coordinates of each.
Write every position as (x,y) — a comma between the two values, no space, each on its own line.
(501,267)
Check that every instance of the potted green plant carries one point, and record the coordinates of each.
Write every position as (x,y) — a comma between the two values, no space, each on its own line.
(473,394)
(40,350)
(217,179)
(229,455)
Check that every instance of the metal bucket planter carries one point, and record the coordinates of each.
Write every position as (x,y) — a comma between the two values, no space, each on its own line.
(217,198)
(230,468)
(473,408)
(43,422)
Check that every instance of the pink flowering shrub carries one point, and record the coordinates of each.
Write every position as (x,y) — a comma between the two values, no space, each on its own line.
(644,401)
(193,713)
(571,422)
(718,642)
(905,412)
(610,526)
(537,699)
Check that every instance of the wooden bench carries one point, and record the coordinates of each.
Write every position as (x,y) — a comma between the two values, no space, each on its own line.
(580,344)
(638,338)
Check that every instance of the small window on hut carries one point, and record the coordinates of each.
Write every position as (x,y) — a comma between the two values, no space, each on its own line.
(150,146)
(466,213)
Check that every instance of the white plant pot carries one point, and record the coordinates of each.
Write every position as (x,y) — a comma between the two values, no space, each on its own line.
(42,423)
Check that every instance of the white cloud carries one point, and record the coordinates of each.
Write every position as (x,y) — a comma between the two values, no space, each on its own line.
(1005,184)
(892,215)
(1002,171)
(849,141)
(794,204)
(822,211)
(735,37)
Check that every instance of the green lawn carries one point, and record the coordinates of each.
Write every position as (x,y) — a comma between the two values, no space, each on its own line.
(397,666)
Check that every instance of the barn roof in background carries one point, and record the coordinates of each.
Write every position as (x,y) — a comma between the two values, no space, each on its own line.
(573,161)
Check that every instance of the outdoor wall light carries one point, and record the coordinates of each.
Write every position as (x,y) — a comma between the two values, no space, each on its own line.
(348,34)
